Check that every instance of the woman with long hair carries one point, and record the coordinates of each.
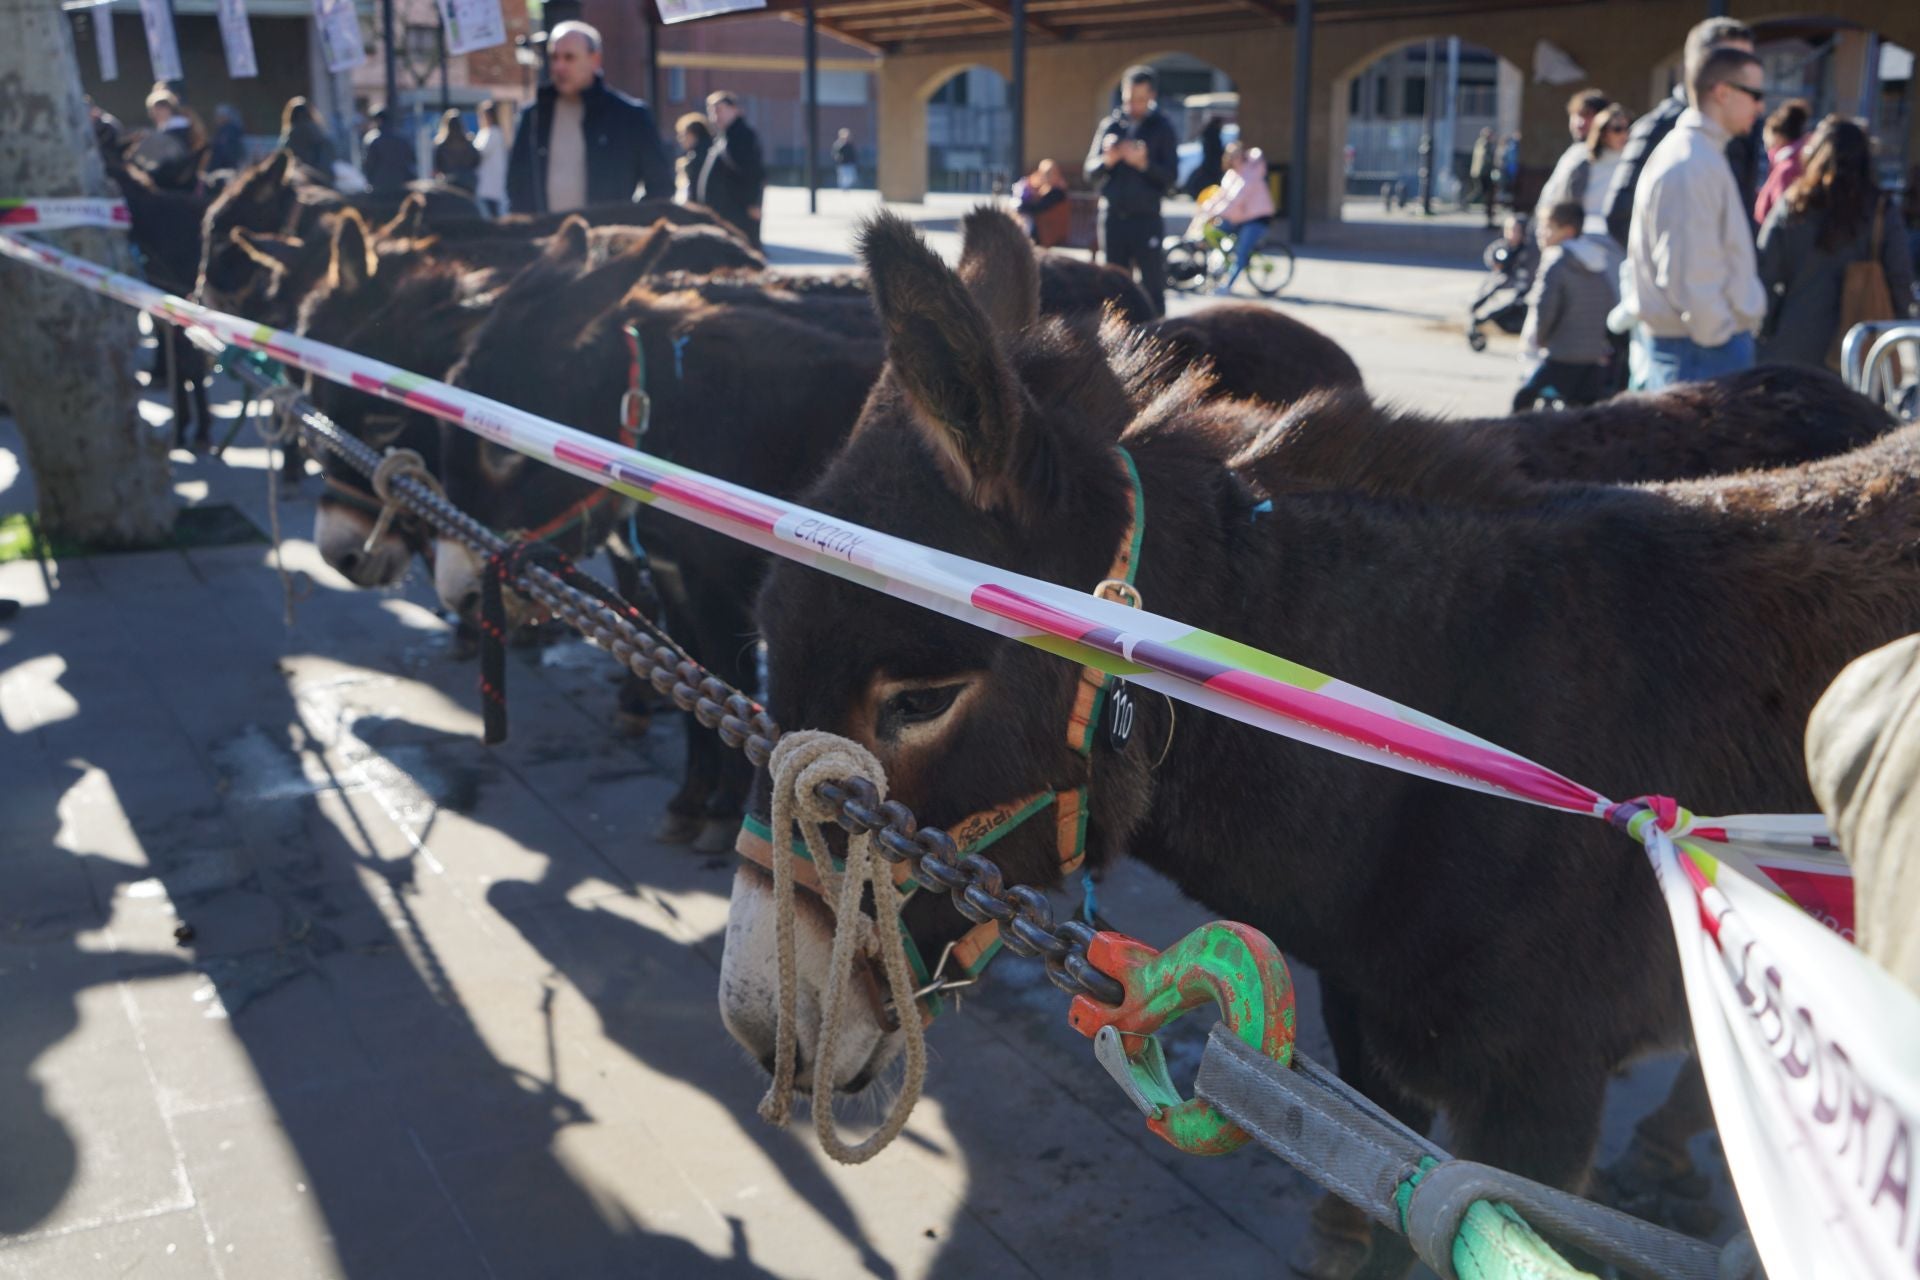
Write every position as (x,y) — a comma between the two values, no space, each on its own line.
(493,145)
(1832,217)
(301,134)
(456,161)
(1606,141)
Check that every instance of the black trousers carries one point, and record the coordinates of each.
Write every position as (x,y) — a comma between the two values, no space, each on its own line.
(1133,241)
(1573,384)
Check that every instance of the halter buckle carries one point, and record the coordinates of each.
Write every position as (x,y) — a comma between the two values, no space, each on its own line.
(1119,591)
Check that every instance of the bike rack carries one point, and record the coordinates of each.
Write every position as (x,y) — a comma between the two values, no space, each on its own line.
(1865,352)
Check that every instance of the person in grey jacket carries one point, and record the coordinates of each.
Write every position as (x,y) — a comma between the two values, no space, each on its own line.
(1567,313)
(1746,154)
(1823,225)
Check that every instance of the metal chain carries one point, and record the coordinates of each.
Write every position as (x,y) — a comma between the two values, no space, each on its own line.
(976,885)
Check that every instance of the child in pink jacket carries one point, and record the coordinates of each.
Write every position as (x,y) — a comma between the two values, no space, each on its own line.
(1243,206)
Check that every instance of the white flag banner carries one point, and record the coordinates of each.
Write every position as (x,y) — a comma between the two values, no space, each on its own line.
(1809,1049)
(163,50)
(237,36)
(103,47)
(472,24)
(672,11)
(339,28)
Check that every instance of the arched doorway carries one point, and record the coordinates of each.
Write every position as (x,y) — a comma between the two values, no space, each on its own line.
(1840,68)
(1441,87)
(970,133)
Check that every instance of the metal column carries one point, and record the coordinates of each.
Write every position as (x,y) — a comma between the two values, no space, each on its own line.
(652,18)
(1019,69)
(392,57)
(1302,101)
(813,112)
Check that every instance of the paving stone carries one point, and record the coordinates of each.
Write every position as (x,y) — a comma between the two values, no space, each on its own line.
(167,1246)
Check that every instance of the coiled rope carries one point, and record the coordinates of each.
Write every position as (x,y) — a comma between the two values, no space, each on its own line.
(802,761)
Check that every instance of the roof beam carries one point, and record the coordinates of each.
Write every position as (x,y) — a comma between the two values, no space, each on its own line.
(1004,9)
(837,32)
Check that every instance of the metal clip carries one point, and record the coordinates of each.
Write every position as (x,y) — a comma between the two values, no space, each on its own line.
(1143,1079)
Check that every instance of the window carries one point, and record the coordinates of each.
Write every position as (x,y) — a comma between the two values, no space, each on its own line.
(1415,100)
(839,88)
(1353,96)
(1380,108)
(676,84)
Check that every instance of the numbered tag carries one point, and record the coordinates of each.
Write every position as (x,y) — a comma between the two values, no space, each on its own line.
(1120,714)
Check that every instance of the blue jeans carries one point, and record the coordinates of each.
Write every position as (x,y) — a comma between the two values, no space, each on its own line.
(1246,239)
(1671,360)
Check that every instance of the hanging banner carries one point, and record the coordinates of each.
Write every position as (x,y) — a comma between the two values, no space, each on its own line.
(163,50)
(672,11)
(103,47)
(339,29)
(472,24)
(237,36)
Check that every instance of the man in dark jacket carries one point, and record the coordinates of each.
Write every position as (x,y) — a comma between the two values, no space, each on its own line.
(1132,163)
(1747,153)
(388,158)
(579,142)
(734,179)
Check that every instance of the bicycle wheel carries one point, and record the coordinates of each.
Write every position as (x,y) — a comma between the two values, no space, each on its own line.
(1187,266)
(1270,269)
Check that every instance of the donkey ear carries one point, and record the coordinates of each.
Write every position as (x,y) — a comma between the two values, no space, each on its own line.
(275,253)
(569,243)
(273,172)
(999,269)
(354,262)
(942,352)
(410,222)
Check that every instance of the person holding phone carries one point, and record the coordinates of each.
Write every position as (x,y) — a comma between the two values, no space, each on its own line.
(1132,164)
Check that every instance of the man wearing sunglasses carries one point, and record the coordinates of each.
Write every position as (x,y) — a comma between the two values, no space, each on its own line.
(1746,153)
(1694,275)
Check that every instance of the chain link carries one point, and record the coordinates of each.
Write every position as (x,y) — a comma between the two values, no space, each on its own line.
(975,885)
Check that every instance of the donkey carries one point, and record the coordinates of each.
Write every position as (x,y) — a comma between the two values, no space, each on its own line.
(414,303)
(278,211)
(1489,959)
(758,391)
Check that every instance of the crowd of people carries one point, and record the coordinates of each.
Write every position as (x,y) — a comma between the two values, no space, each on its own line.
(1706,236)
(579,142)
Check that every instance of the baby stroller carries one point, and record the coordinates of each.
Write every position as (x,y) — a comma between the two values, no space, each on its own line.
(1503,301)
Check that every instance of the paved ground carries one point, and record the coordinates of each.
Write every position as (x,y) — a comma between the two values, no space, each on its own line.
(445,1011)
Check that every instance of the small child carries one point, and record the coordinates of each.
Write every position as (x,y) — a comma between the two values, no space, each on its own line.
(1566,330)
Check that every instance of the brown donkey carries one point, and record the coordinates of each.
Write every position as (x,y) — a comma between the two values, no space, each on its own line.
(1482,957)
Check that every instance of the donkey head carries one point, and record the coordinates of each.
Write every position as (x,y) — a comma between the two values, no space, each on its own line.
(991,434)
(531,352)
(260,198)
(349,309)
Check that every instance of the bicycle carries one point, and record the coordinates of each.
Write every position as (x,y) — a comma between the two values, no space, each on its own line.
(1203,261)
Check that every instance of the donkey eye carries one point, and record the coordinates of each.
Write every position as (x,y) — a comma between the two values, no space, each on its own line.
(916,706)
(498,460)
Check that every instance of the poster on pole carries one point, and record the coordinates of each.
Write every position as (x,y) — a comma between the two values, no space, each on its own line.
(472,24)
(103,46)
(162,48)
(339,29)
(237,36)
(672,11)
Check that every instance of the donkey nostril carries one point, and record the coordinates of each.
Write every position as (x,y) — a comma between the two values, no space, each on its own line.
(350,563)
(470,604)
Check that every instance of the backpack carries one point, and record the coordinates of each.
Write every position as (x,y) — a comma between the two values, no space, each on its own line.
(1864,295)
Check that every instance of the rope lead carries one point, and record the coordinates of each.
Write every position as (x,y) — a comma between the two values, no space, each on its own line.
(801,762)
